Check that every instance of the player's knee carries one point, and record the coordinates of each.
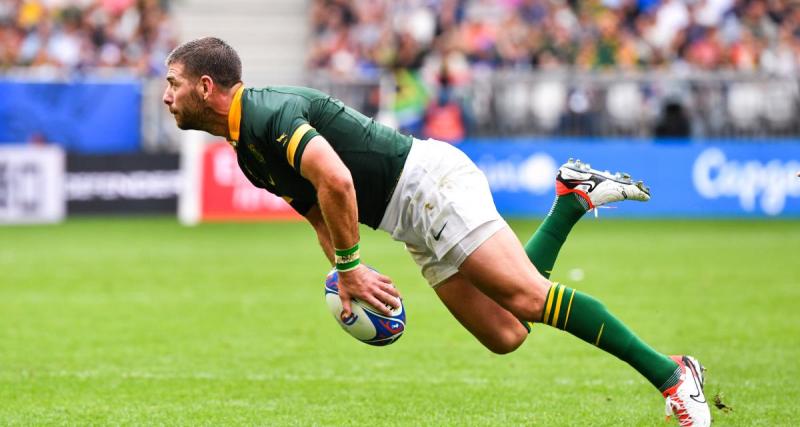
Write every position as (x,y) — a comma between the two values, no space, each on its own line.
(508,341)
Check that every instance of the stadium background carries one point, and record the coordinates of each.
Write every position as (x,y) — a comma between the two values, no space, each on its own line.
(115,313)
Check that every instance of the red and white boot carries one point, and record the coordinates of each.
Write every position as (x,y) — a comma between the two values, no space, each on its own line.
(598,188)
(686,400)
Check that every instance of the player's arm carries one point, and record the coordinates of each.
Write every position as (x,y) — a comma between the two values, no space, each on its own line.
(336,195)
(314,217)
(336,198)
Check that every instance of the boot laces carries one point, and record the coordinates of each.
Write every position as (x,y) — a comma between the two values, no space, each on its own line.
(674,405)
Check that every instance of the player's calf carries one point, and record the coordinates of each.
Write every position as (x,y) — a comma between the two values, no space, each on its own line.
(500,269)
(528,302)
(507,339)
(494,327)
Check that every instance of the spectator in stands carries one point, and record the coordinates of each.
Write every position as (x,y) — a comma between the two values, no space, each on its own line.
(627,34)
(445,119)
(91,36)
(674,122)
(366,39)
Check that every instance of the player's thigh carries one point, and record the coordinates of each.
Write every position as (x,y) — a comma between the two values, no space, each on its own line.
(500,268)
(495,327)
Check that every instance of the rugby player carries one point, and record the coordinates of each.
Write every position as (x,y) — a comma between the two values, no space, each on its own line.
(337,168)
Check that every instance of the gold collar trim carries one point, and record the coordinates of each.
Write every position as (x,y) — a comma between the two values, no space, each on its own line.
(235,115)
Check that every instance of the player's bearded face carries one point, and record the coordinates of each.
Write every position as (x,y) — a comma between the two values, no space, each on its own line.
(184,101)
(191,113)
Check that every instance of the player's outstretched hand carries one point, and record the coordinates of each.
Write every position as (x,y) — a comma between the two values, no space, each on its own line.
(369,286)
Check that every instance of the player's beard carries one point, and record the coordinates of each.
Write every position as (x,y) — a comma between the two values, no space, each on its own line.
(194,115)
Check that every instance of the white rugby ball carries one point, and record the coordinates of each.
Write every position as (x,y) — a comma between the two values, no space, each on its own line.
(364,323)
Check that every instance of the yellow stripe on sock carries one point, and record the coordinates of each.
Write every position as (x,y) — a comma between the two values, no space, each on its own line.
(569,307)
(558,305)
(599,334)
(549,304)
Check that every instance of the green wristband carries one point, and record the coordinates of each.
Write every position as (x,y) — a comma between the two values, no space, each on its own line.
(345,252)
(348,259)
(349,266)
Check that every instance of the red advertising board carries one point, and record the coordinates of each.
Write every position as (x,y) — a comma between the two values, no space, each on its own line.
(227,195)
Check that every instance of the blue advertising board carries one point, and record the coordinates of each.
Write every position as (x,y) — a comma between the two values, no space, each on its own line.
(701,179)
(84,117)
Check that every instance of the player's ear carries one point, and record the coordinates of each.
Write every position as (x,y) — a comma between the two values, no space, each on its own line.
(206,86)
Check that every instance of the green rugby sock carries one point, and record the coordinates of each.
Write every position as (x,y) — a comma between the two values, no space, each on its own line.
(588,319)
(546,242)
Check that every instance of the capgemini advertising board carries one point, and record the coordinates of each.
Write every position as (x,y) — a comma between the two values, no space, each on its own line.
(710,179)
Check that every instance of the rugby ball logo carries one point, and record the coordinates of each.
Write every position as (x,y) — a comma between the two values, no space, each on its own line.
(364,323)
(348,320)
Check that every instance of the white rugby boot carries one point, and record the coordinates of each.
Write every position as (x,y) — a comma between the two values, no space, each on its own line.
(686,400)
(597,188)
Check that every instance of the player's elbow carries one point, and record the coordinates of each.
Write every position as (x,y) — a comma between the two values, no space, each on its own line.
(339,182)
(343,179)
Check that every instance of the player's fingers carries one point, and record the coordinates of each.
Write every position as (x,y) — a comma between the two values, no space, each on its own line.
(379,305)
(346,310)
(384,279)
(388,299)
(391,290)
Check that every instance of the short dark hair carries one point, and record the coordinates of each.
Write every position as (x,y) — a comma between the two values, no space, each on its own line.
(209,56)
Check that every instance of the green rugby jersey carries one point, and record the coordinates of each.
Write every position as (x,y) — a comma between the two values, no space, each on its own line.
(271,127)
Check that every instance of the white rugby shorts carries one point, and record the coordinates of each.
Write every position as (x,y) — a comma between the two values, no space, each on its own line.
(441,208)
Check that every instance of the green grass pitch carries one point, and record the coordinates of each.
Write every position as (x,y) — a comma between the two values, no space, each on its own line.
(144,322)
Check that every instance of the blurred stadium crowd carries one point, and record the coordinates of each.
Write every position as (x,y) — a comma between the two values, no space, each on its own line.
(53,38)
(357,37)
(453,68)
(85,78)
(670,68)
